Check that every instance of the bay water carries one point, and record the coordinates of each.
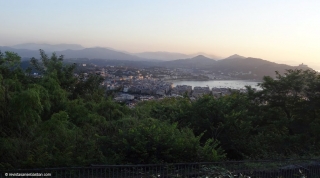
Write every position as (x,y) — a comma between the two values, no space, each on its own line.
(233,84)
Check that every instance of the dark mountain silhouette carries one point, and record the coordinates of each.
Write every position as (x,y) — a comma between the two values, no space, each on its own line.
(201,58)
(126,52)
(48,47)
(242,63)
(235,56)
(168,56)
(255,66)
(97,53)
(23,53)
(245,67)
(205,54)
(235,64)
(161,55)
(195,62)
(90,53)
(28,50)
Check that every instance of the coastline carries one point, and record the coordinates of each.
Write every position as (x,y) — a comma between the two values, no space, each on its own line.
(203,80)
(233,84)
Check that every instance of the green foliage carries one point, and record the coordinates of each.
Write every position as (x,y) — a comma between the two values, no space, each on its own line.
(60,119)
(211,151)
(154,141)
(39,125)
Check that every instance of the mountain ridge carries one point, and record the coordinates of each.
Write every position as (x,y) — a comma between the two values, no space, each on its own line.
(167,56)
(90,53)
(47,47)
(235,56)
(232,64)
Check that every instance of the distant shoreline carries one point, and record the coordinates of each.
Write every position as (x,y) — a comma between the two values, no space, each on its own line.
(191,80)
(234,84)
(188,80)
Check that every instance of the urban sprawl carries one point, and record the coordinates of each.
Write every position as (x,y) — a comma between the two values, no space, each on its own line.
(133,85)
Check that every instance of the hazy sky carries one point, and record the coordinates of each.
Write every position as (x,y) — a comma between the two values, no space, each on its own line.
(283,31)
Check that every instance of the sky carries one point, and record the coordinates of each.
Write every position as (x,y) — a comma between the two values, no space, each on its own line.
(276,30)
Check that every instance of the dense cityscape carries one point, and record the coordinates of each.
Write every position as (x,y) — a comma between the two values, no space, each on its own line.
(132,85)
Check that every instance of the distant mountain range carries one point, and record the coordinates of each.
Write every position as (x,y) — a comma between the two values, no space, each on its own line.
(199,61)
(48,47)
(235,56)
(168,56)
(28,50)
(90,53)
(108,56)
(252,67)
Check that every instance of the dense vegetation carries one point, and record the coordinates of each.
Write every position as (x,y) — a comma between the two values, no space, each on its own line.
(61,119)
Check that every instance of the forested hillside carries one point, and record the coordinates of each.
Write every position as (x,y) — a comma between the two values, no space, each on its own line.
(63,120)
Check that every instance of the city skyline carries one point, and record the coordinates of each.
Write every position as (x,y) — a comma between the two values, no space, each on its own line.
(278,31)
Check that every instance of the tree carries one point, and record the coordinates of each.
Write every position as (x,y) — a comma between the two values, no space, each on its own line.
(154,141)
(53,67)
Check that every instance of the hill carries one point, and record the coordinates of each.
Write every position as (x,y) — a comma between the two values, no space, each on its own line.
(160,55)
(235,56)
(235,65)
(168,56)
(255,66)
(48,47)
(206,55)
(195,62)
(90,53)
(98,53)
(23,53)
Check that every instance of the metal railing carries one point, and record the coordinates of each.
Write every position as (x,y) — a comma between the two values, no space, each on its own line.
(237,169)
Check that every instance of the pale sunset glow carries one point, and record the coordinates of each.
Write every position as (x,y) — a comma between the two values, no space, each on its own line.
(279,31)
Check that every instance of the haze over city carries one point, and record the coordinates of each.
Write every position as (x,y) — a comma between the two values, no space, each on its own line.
(279,31)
